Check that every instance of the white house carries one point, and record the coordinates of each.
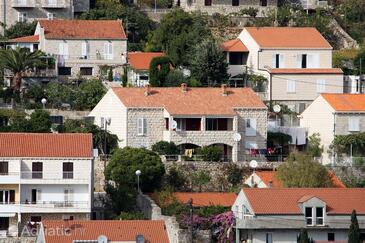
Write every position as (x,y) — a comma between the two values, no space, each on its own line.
(278,214)
(44,176)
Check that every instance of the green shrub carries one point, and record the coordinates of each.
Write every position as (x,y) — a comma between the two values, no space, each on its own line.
(211,211)
(200,179)
(165,148)
(210,153)
(130,216)
(175,208)
(252,12)
(176,179)
(234,174)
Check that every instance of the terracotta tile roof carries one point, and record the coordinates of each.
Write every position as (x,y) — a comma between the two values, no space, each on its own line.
(267,176)
(288,37)
(75,145)
(154,231)
(346,102)
(235,45)
(26,39)
(202,199)
(83,29)
(142,60)
(285,200)
(306,71)
(196,101)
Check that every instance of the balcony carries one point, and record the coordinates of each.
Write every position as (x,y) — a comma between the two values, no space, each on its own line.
(9,178)
(55,206)
(53,4)
(9,208)
(55,178)
(23,4)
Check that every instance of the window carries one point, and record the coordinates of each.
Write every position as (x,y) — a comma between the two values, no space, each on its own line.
(66,71)
(4,223)
(63,49)
(302,61)
(37,170)
(278,61)
(208,2)
(86,71)
(290,86)
(268,237)
(321,86)
(50,16)
(36,195)
(319,216)
(108,50)
(236,58)
(313,60)
(35,219)
(7,196)
(308,216)
(68,170)
(235,2)
(331,237)
(142,126)
(263,3)
(250,127)
(218,124)
(354,124)
(85,50)
(22,17)
(4,168)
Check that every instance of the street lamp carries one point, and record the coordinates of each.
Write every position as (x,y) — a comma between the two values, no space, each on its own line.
(44,102)
(138,173)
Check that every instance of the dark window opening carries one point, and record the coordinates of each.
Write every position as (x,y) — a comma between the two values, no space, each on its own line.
(37,170)
(36,219)
(236,58)
(86,71)
(65,71)
(167,123)
(35,47)
(68,170)
(219,124)
(34,196)
(235,2)
(208,2)
(4,168)
(331,237)
(319,216)
(308,215)
(7,196)
(263,3)
(4,223)
(277,61)
(304,61)
(188,124)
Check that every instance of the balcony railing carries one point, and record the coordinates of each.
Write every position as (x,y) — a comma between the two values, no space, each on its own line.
(56,204)
(36,73)
(53,4)
(23,4)
(58,177)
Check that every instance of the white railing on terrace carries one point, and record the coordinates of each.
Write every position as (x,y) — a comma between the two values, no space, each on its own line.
(53,4)
(23,4)
(56,204)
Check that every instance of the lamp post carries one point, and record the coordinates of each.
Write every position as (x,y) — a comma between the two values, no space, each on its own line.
(138,173)
(44,102)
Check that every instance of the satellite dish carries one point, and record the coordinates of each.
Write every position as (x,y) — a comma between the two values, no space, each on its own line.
(236,137)
(277,108)
(253,164)
(174,124)
(102,239)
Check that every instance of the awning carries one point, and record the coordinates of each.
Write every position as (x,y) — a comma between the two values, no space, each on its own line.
(7,215)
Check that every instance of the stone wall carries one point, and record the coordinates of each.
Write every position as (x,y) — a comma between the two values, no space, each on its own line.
(176,235)
(99,178)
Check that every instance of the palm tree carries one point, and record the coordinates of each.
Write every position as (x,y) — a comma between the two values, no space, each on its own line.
(18,61)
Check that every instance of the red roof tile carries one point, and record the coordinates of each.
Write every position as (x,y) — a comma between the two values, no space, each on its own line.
(235,45)
(196,101)
(202,199)
(346,102)
(288,37)
(26,39)
(142,60)
(306,71)
(83,29)
(285,200)
(270,176)
(72,145)
(154,231)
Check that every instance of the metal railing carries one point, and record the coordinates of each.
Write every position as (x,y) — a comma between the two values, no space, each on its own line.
(66,175)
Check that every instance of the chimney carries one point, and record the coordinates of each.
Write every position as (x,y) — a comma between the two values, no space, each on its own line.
(224,90)
(147,89)
(184,87)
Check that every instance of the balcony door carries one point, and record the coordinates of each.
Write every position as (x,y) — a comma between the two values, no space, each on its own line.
(68,196)
(7,196)
(37,170)
(36,196)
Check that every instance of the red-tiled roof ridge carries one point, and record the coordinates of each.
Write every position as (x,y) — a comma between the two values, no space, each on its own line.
(83,29)
(71,145)
(142,60)
(285,200)
(203,199)
(235,45)
(196,101)
(288,37)
(154,231)
(26,39)
(345,102)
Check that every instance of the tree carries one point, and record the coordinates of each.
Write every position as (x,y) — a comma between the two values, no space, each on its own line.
(121,171)
(20,29)
(303,237)
(165,148)
(159,69)
(299,170)
(211,153)
(208,64)
(40,121)
(18,61)
(177,34)
(354,231)
(314,147)
(200,179)
(89,94)
(175,78)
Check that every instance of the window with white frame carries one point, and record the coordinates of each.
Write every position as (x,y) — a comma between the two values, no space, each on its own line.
(63,49)
(321,86)
(108,50)
(250,124)
(50,16)
(102,122)
(22,17)
(142,127)
(290,86)
(354,124)
(85,50)
(278,61)
(309,215)
(319,216)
